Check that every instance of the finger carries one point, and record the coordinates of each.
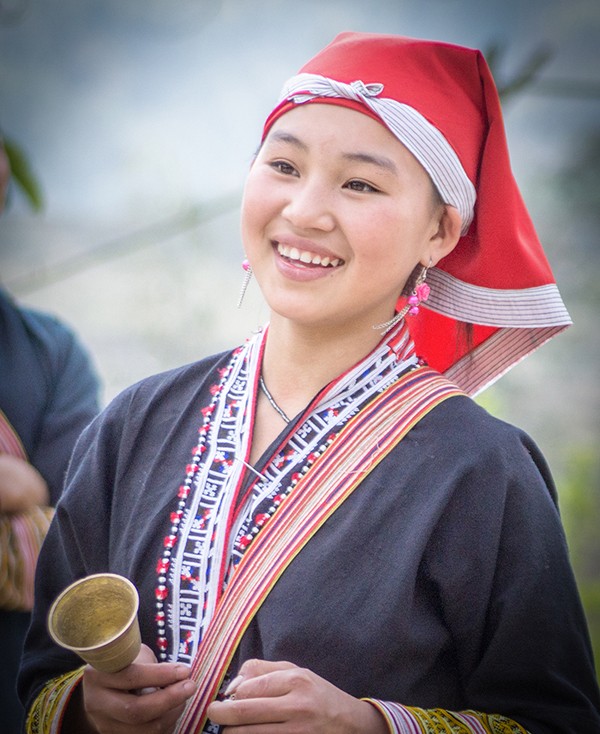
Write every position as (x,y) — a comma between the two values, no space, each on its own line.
(165,724)
(145,655)
(253,668)
(164,704)
(140,709)
(280,680)
(140,675)
(236,713)
(262,699)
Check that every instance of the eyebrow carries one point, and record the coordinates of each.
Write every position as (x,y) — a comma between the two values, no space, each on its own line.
(284,137)
(374,160)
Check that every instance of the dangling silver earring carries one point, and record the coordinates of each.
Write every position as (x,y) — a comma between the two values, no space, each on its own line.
(247,277)
(420,293)
(389,325)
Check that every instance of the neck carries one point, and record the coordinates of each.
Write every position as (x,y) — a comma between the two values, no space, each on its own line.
(298,362)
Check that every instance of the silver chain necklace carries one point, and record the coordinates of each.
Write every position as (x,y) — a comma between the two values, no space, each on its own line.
(271,400)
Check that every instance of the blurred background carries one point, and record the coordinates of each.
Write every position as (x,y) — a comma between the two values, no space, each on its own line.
(137,120)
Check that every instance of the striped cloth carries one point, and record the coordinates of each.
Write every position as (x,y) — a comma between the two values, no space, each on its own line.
(411,720)
(21,536)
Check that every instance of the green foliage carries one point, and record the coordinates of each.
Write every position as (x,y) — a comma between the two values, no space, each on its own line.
(579,492)
(22,174)
(580,181)
(524,76)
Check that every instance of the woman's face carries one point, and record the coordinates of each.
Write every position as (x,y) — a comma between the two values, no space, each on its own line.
(336,215)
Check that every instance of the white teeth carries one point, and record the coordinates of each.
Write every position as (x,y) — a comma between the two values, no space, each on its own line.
(307,257)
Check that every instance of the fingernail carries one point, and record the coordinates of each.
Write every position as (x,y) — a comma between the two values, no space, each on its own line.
(182,671)
(233,685)
(189,687)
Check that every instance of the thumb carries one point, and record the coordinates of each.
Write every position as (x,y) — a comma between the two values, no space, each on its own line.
(253,668)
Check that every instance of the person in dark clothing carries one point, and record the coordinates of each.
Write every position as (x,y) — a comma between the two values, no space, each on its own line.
(326,533)
(48,394)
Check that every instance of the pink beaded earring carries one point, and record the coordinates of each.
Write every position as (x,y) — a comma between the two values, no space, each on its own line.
(419,293)
(248,274)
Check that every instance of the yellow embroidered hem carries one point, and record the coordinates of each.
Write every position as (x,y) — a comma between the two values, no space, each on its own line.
(408,720)
(46,714)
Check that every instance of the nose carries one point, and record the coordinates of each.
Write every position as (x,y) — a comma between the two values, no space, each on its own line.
(310,206)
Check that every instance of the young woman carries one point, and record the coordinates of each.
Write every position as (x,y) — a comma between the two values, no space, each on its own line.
(326,533)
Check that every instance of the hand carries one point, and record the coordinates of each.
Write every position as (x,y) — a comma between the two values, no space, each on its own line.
(120,703)
(21,485)
(280,698)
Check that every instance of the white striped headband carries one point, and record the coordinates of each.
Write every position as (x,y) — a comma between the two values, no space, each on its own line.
(423,139)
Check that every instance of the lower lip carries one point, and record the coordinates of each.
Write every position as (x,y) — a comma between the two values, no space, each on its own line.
(299,271)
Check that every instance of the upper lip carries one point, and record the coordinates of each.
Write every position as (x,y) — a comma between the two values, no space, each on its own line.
(307,246)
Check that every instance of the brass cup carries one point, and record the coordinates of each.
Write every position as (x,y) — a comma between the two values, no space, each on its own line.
(96,617)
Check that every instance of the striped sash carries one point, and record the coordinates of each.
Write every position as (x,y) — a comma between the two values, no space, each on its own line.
(21,536)
(10,443)
(359,447)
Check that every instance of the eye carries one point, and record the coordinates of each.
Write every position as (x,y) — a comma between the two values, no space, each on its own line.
(284,167)
(361,186)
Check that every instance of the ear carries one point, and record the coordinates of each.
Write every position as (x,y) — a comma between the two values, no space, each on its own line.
(446,235)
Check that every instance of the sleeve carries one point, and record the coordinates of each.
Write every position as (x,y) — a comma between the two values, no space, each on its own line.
(48,710)
(77,544)
(411,720)
(72,403)
(499,562)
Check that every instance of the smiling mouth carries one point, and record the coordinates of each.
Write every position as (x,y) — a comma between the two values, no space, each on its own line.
(308,258)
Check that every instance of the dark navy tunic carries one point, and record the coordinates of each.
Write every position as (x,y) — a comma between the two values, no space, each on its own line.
(443,581)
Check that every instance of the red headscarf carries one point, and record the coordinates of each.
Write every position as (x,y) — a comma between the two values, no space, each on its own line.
(493,298)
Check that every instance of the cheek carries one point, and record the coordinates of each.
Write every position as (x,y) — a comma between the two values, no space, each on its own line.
(378,237)
(401,235)
(258,205)
(251,213)
(389,247)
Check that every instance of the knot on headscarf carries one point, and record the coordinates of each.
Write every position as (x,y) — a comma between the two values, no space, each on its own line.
(367,90)
(306,87)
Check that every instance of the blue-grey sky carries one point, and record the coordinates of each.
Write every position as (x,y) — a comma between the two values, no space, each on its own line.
(128,104)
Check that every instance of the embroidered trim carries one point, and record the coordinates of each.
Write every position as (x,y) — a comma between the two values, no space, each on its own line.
(47,711)
(164,563)
(411,720)
(204,525)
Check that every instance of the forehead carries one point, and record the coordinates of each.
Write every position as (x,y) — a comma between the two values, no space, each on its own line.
(338,131)
(316,120)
